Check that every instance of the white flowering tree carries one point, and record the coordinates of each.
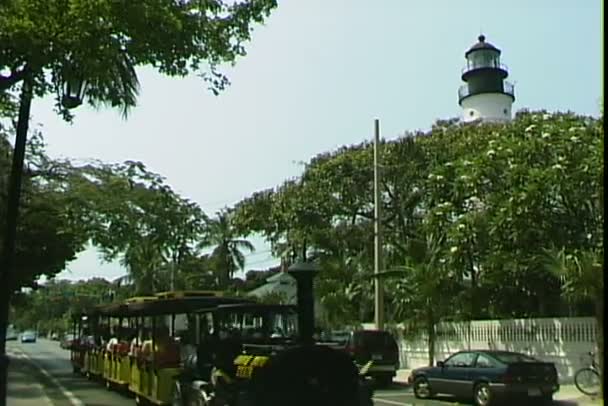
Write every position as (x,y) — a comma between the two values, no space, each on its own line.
(498,195)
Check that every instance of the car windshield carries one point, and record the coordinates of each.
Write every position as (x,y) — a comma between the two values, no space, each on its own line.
(512,357)
(259,324)
(375,339)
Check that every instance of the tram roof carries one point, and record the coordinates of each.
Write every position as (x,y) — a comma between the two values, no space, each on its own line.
(165,306)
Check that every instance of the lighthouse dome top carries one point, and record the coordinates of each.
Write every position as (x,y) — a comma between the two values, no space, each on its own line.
(481,45)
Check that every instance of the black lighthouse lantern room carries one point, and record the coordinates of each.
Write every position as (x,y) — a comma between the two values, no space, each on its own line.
(484,73)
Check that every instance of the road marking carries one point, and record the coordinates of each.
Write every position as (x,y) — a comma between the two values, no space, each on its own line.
(392,394)
(69,395)
(47,399)
(392,402)
(12,352)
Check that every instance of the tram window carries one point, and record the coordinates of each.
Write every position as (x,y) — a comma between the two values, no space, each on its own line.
(205,326)
(180,325)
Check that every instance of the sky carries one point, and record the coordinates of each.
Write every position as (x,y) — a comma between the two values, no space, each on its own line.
(316,76)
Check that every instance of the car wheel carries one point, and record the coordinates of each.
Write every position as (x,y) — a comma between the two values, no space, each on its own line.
(422,389)
(482,396)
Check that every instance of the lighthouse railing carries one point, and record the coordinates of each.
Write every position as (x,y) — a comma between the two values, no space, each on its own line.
(508,88)
(485,65)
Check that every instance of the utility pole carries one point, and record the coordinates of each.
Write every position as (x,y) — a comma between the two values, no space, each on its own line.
(378,264)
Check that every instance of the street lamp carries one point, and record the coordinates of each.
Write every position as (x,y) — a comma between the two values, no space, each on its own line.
(72,97)
(73,92)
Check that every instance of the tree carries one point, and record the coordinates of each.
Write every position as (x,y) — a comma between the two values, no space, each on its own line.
(426,286)
(498,194)
(135,217)
(61,46)
(582,272)
(50,234)
(50,307)
(103,42)
(227,252)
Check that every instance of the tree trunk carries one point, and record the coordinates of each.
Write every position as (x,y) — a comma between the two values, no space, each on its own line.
(599,316)
(430,330)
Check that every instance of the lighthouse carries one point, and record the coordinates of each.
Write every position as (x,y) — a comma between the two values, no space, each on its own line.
(486,95)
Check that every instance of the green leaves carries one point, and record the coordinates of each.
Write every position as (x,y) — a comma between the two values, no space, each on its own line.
(104,41)
(227,254)
(498,194)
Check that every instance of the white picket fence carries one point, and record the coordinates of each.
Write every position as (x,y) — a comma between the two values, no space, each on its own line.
(564,341)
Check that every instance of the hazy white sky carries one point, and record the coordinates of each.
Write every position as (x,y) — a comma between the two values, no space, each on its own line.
(316,76)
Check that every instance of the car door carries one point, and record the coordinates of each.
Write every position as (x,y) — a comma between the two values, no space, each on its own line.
(485,369)
(454,377)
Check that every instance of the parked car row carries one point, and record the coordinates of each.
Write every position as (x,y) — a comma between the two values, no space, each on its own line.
(485,376)
(27,336)
(30,336)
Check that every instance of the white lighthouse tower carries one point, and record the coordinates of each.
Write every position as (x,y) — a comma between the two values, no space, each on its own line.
(486,96)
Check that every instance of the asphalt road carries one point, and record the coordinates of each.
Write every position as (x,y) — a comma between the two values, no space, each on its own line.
(67,389)
(60,384)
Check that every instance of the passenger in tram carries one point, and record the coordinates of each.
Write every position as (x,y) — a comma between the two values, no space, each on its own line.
(166,351)
(113,341)
(124,335)
(137,342)
(187,347)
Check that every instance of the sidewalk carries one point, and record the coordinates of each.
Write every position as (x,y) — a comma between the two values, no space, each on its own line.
(23,388)
(567,394)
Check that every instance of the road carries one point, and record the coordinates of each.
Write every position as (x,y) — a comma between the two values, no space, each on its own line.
(54,372)
(62,386)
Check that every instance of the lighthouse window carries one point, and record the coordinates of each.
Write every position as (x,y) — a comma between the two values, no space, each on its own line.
(471,113)
(505,111)
(484,58)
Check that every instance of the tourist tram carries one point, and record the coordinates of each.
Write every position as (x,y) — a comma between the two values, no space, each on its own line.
(202,348)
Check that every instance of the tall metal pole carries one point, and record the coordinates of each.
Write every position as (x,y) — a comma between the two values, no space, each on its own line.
(378,263)
(7,254)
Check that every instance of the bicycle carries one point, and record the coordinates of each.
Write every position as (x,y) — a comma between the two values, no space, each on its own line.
(587,379)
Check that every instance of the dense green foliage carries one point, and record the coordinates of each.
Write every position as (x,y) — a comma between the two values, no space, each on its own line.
(50,309)
(104,41)
(126,211)
(496,197)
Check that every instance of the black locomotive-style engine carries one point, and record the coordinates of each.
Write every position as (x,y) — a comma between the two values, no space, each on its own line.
(288,371)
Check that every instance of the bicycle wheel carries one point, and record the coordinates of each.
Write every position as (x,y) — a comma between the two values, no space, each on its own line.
(587,380)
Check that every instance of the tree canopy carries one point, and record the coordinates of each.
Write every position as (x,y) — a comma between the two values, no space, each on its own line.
(103,42)
(496,195)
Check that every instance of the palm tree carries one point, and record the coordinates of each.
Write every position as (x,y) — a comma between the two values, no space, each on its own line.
(143,261)
(423,287)
(582,275)
(227,254)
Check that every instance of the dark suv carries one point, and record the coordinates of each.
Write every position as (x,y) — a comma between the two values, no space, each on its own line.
(372,345)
